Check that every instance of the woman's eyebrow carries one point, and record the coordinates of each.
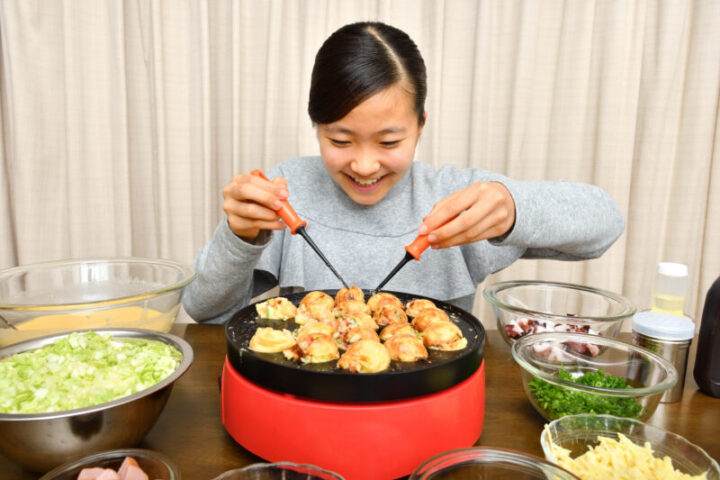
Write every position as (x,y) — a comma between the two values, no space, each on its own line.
(338,129)
(388,130)
(384,131)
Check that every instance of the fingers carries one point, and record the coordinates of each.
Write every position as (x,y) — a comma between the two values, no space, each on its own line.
(250,204)
(255,189)
(484,210)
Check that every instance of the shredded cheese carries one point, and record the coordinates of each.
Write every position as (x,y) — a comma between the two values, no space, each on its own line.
(620,459)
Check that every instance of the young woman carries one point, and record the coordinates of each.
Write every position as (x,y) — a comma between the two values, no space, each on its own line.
(365,198)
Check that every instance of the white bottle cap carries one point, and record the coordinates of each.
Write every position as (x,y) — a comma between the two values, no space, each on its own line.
(672,269)
(664,326)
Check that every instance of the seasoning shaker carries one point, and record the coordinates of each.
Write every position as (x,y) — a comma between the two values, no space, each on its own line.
(670,337)
(670,288)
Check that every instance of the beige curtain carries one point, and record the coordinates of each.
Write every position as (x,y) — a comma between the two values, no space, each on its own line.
(121,121)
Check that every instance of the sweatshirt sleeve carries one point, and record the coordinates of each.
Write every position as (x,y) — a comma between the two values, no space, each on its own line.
(226,279)
(562,220)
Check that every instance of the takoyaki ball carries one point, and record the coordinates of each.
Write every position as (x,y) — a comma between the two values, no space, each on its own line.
(317,297)
(414,307)
(428,316)
(315,312)
(269,340)
(351,293)
(406,347)
(444,336)
(316,327)
(356,320)
(390,314)
(383,298)
(313,348)
(350,307)
(396,329)
(278,308)
(365,356)
(355,334)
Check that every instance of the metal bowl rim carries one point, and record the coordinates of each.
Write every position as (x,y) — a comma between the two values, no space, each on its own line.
(189,274)
(181,344)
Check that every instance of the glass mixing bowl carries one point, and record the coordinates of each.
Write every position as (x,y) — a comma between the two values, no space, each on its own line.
(279,471)
(480,463)
(577,433)
(527,306)
(156,465)
(555,366)
(47,298)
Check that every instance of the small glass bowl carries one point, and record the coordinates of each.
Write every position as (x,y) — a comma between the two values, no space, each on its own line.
(544,356)
(486,462)
(577,433)
(279,471)
(525,307)
(79,294)
(154,464)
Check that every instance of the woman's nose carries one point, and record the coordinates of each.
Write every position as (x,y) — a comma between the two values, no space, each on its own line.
(365,164)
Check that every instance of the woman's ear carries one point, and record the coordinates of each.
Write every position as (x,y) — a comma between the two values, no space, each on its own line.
(422,123)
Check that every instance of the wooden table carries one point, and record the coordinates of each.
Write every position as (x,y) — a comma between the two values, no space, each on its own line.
(189,430)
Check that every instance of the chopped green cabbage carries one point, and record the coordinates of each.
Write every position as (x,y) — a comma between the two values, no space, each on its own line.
(81,370)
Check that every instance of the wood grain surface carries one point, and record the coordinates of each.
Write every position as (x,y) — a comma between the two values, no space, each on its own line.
(190,431)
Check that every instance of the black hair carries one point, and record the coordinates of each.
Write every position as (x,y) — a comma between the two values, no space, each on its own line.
(358,61)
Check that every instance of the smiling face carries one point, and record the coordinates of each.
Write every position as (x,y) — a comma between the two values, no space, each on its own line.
(371,148)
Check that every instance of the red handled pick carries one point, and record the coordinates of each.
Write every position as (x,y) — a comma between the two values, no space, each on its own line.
(297,225)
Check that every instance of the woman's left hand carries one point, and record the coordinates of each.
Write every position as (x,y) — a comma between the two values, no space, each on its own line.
(488,211)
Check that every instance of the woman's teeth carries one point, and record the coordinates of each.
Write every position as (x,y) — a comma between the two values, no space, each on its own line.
(366,183)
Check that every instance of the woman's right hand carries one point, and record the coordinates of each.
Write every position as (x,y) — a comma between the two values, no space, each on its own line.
(251,203)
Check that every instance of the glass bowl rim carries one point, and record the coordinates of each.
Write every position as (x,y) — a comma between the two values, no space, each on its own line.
(180,343)
(188,275)
(666,433)
(668,382)
(253,466)
(525,459)
(490,293)
(126,452)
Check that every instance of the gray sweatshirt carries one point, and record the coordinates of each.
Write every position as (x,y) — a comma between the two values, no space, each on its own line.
(560,220)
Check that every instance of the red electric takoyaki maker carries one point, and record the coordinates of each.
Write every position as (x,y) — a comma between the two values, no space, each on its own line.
(362,426)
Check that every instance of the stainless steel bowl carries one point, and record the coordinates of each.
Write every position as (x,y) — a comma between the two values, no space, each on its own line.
(41,441)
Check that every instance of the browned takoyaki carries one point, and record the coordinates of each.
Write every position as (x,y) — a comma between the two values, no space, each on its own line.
(278,308)
(396,329)
(388,314)
(406,347)
(365,356)
(383,298)
(428,316)
(313,348)
(444,336)
(316,327)
(350,307)
(351,293)
(269,340)
(315,306)
(356,320)
(355,334)
(414,307)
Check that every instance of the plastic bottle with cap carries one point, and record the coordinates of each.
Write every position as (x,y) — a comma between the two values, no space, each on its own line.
(707,358)
(669,336)
(670,288)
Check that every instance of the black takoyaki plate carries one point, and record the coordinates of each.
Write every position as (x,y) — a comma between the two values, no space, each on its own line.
(325,381)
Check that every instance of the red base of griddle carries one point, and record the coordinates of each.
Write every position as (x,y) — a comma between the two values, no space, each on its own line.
(359,441)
